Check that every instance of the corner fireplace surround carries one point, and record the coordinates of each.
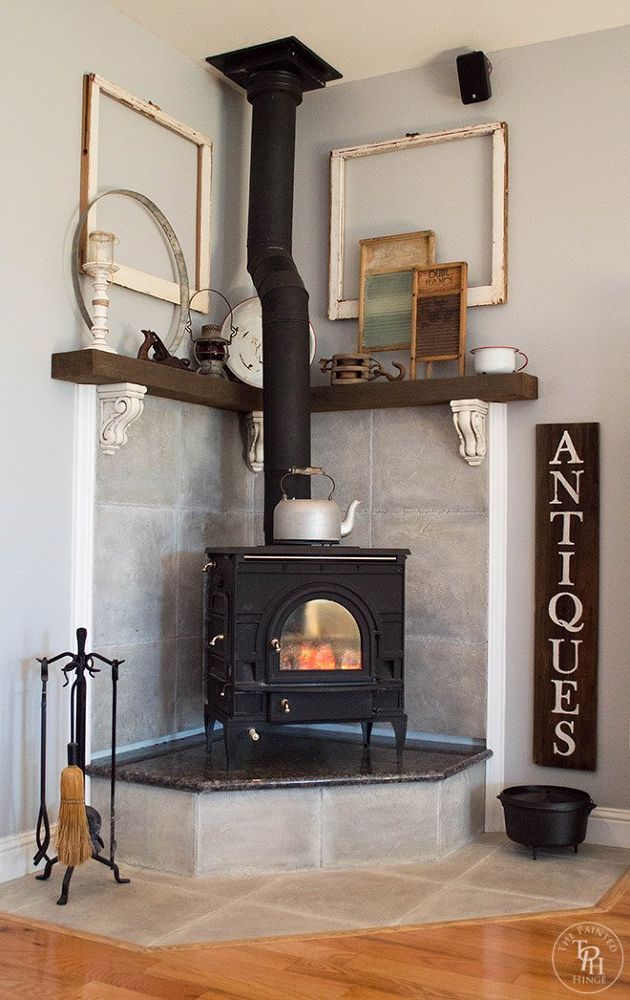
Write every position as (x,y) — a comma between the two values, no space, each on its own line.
(159,507)
(296,634)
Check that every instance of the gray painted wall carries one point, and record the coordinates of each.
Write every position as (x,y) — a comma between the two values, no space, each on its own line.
(566,104)
(46,48)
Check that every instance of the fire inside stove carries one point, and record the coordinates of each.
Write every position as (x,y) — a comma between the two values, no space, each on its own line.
(320,635)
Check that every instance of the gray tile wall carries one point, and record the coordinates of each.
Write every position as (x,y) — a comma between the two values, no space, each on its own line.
(419,494)
(180,484)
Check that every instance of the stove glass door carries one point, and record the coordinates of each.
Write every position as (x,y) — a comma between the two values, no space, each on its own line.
(320,635)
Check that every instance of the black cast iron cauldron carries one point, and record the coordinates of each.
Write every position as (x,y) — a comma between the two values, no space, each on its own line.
(546,815)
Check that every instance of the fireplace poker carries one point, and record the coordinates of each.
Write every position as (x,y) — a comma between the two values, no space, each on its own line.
(42,832)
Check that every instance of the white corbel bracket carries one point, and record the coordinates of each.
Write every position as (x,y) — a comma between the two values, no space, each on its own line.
(121,404)
(255,454)
(469,417)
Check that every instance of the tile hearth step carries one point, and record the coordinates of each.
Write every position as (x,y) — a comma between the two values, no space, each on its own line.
(292,802)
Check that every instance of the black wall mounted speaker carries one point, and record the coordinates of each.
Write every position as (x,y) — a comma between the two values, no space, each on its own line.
(473,71)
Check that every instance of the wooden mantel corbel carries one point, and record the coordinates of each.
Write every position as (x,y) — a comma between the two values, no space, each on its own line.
(469,417)
(120,404)
(255,452)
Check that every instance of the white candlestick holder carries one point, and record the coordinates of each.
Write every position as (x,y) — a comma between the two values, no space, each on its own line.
(101,268)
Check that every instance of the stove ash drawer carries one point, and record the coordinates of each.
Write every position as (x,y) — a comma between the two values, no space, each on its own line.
(319,706)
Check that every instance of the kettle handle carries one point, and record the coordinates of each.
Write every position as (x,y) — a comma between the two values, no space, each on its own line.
(309,470)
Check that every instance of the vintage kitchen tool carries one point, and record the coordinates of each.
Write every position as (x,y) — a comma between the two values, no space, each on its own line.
(438,316)
(349,369)
(311,521)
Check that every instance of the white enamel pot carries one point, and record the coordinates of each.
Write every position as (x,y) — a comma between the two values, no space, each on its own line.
(497,360)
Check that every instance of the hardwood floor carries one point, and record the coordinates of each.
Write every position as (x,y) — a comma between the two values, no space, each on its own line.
(506,958)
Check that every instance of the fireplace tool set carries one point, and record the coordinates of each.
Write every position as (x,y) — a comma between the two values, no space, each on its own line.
(78,829)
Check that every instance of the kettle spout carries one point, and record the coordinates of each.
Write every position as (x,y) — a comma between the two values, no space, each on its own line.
(348,522)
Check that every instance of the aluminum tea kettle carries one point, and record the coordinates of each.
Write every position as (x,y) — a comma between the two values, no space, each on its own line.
(311,520)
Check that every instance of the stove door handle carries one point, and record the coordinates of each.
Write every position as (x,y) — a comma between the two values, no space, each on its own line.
(216,638)
(275,645)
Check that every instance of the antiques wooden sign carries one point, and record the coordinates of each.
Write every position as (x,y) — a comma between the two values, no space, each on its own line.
(567,594)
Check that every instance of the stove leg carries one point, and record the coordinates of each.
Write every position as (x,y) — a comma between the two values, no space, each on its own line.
(209,723)
(367,732)
(400,732)
(231,735)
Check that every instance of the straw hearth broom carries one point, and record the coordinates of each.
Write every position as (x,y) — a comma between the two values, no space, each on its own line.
(74,844)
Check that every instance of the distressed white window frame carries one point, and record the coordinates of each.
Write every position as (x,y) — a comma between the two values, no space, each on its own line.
(479,295)
(130,277)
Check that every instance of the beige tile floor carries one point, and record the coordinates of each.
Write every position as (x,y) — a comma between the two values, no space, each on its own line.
(489,877)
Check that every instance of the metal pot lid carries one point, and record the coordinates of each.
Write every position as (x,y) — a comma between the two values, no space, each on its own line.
(243,328)
(543,796)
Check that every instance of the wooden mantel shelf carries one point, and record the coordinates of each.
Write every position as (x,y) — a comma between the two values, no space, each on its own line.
(424,392)
(101,368)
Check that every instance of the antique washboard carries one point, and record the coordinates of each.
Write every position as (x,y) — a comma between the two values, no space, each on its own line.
(438,320)
(385,287)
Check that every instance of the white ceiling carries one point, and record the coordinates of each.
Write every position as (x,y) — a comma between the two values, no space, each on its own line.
(363,38)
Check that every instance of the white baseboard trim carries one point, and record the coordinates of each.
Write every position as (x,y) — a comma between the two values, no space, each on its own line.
(610,827)
(16,854)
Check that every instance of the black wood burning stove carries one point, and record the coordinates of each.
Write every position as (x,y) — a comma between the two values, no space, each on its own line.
(303,634)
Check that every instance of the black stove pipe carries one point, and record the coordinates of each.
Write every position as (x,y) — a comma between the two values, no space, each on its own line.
(275,76)
(275,96)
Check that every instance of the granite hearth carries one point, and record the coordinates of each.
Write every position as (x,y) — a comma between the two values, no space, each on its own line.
(296,800)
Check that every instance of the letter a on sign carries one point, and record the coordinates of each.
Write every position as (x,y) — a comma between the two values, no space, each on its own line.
(567,595)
